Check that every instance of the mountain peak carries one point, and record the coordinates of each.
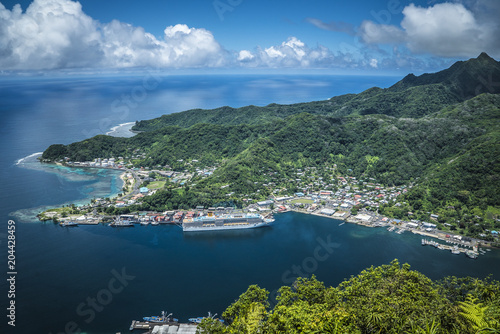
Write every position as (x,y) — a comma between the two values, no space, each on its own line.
(484,56)
(465,79)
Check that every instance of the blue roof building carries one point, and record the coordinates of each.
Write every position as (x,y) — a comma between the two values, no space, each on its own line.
(144,190)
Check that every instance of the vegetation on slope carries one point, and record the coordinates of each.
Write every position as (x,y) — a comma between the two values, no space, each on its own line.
(386,299)
(411,97)
(463,188)
(452,154)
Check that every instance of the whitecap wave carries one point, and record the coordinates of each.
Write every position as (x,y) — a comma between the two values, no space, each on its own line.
(20,161)
(121,130)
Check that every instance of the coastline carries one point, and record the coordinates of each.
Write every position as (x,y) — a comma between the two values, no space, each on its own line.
(346,215)
(440,235)
(122,175)
(365,218)
(122,130)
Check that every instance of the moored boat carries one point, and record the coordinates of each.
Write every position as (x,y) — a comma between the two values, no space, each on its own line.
(471,254)
(226,222)
(121,223)
(68,224)
(161,318)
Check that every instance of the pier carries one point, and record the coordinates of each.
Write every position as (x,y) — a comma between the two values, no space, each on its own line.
(163,327)
(472,253)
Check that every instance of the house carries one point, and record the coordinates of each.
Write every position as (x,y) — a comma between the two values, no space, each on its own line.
(363,217)
(285,198)
(428,225)
(327,212)
(340,214)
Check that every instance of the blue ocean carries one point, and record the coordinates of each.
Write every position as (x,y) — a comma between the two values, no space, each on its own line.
(95,279)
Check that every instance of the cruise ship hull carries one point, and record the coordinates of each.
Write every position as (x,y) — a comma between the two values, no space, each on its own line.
(225,224)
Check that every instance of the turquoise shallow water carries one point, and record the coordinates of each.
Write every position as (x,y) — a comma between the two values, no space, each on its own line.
(140,271)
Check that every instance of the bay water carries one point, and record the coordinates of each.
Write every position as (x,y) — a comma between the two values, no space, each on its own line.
(96,279)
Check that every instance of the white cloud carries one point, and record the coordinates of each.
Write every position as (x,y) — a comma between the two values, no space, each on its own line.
(50,34)
(245,55)
(293,53)
(290,53)
(445,30)
(373,33)
(339,26)
(193,47)
(55,34)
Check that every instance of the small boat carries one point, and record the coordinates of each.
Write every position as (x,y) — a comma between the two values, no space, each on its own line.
(196,320)
(121,223)
(455,250)
(161,319)
(68,224)
(471,254)
(155,223)
(144,223)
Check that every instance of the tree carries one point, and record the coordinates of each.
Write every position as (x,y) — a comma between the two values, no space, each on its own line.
(248,312)
(211,326)
(476,316)
(393,298)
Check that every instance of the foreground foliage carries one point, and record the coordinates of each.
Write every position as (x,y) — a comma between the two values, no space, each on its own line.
(386,299)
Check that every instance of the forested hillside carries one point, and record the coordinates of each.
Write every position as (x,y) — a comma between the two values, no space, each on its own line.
(448,147)
(386,299)
(411,97)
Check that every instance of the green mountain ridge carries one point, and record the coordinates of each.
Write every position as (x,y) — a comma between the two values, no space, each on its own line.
(411,97)
(415,131)
(466,79)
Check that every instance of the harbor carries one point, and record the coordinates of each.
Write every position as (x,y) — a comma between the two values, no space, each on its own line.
(454,249)
(164,327)
(167,324)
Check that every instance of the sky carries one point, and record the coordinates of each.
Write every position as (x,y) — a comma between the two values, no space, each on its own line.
(330,36)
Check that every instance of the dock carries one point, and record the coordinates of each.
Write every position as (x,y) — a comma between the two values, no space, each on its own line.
(454,249)
(164,327)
